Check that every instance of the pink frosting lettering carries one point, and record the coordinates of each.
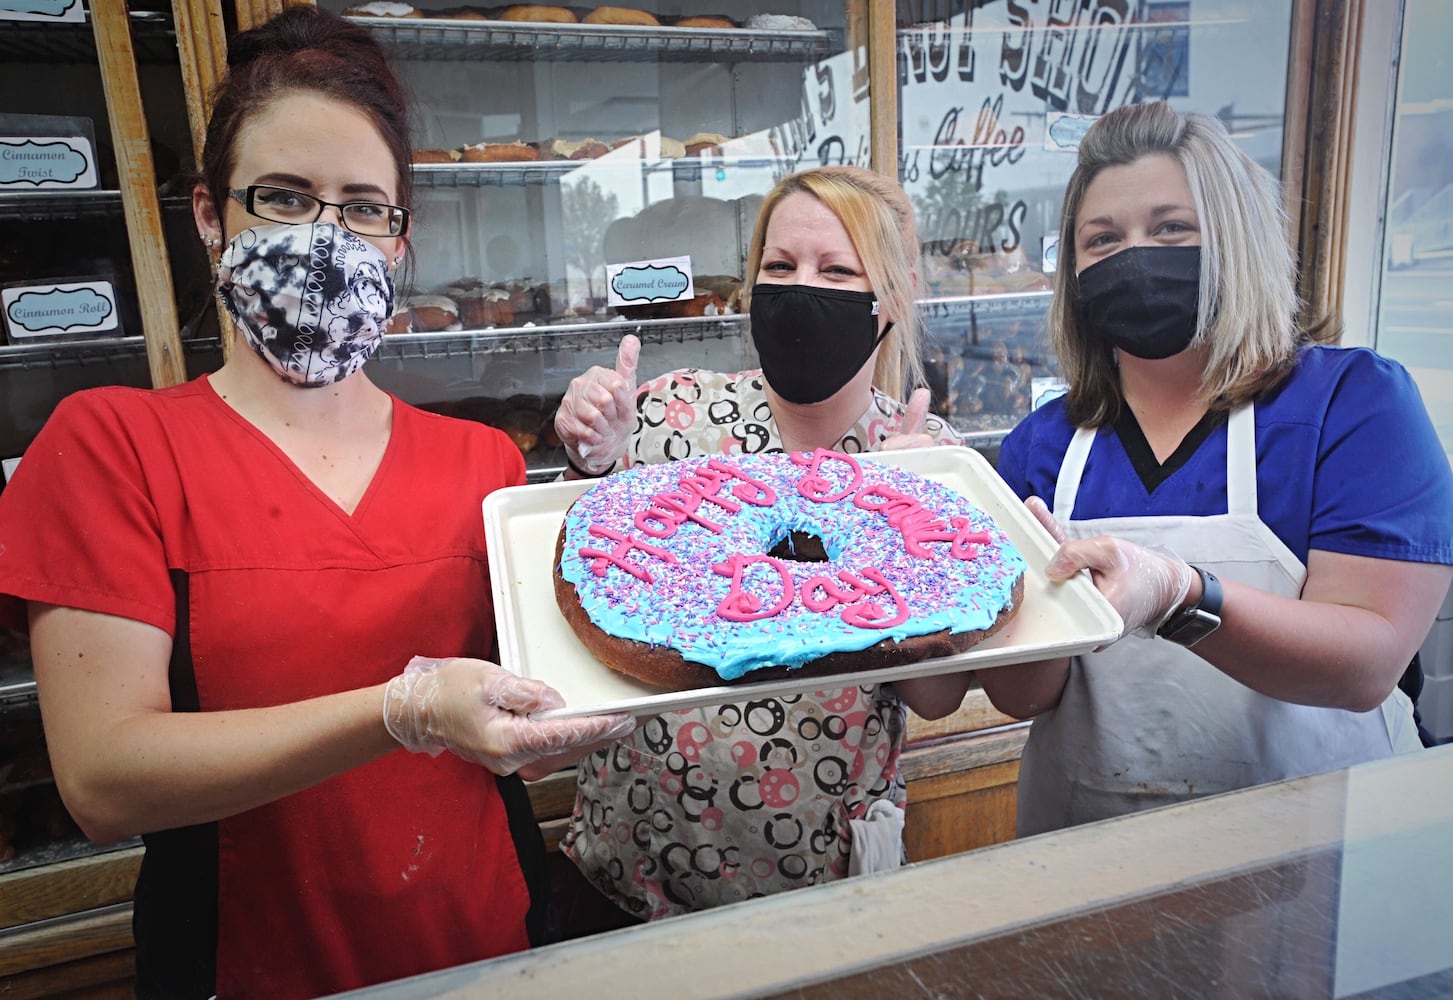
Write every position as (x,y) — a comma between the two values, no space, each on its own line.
(740,606)
(853,590)
(919,526)
(602,559)
(966,540)
(668,511)
(815,486)
(747,490)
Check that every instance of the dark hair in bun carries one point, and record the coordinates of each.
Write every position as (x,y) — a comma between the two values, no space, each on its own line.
(304,48)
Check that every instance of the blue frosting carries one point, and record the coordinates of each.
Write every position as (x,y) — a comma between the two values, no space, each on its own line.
(678,607)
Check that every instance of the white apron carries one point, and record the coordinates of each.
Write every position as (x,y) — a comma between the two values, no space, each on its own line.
(1145,722)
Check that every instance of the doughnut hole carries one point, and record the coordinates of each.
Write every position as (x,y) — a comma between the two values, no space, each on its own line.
(799,546)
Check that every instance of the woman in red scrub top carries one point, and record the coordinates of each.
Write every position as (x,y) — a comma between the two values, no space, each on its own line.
(246,592)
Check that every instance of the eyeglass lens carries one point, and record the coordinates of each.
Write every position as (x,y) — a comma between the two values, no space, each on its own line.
(366,218)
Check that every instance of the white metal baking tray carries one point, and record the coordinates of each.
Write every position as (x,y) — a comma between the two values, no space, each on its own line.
(521,524)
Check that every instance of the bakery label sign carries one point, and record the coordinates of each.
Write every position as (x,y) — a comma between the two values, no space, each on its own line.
(42,10)
(639,282)
(66,309)
(35,163)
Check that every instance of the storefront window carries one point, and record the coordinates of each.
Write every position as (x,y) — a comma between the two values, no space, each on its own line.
(1415,307)
(993,97)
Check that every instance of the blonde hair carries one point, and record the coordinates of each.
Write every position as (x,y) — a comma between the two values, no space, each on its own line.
(879,219)
(1248,298)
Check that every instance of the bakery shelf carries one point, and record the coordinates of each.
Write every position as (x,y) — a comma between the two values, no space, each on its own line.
(439,39)
(604,335)
(17,686)
(152,35)
(44,206)
(686,168)
(51,205)
(64,353)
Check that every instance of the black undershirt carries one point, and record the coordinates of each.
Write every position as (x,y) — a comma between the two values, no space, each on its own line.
(1142,458)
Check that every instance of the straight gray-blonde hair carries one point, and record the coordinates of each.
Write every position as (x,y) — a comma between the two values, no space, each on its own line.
(1248,298)
(879,219)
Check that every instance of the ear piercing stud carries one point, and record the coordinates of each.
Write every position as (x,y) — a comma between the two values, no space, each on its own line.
(211,242)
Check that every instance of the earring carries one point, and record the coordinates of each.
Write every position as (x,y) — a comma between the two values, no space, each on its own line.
(211,242)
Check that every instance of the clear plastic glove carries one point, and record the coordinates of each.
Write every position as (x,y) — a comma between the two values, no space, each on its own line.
(479,711)
(910,432)
(598,413)
(1145,585)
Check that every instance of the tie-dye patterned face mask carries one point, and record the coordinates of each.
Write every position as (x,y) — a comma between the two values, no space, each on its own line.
(312,300)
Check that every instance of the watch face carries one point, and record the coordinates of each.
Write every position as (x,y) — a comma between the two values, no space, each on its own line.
(1190,626)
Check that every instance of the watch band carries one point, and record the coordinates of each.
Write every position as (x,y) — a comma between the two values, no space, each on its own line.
(1211,592)
(579,471)
(1191,624)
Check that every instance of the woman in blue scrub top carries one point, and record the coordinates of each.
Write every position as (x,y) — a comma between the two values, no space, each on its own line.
(1273,519)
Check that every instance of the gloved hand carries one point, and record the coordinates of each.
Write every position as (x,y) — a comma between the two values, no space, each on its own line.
(1145,585)
(478,710)
(598,413)
(910,431)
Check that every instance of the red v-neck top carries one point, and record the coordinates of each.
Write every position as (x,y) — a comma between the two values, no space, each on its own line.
(168,508)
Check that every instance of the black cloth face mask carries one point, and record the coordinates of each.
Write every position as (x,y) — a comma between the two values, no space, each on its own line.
(812,340)
(1143,300)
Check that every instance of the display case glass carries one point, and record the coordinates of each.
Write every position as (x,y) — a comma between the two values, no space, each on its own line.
(993,96)
(550,153)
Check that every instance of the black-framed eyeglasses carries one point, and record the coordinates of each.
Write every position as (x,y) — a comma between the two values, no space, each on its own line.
(280,204)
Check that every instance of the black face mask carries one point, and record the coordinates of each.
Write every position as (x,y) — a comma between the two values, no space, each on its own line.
(1143,300)
(812,340)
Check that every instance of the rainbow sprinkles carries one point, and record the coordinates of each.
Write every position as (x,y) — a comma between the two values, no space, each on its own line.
(696,556)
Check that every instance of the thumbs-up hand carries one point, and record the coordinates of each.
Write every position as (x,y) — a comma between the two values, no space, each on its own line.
(911,433)
(598,413)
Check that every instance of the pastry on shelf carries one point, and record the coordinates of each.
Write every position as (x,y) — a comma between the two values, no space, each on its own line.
(436,156)
(433,313)
(485,308)
(523,428)
(779,22)
(538,12)
(384,8)
(499,152)
(572,149)
(704,21)
(727,287)
(402,320)
(521,297)
(621,15)
(704,302)
(705,142)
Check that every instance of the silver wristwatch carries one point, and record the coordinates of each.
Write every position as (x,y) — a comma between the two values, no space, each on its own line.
(1190,625)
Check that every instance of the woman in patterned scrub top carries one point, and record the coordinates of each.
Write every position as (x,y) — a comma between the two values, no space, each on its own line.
(710,806)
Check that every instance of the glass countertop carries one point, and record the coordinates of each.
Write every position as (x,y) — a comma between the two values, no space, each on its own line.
(1337,885)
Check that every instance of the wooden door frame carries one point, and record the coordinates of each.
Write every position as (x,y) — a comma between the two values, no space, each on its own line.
(140,204)
(1322,75)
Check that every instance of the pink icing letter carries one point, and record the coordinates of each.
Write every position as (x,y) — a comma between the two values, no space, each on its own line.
(603,560)
(966,543)
(815,486)
(738,605)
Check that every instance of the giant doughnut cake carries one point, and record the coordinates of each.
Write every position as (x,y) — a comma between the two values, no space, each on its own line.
(687,574)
